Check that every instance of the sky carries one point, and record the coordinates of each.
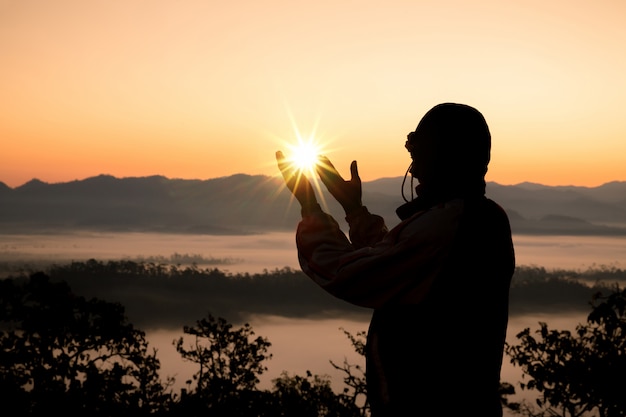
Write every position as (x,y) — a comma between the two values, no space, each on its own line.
(202,89)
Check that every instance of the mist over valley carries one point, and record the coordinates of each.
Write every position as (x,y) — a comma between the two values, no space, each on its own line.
(171,251)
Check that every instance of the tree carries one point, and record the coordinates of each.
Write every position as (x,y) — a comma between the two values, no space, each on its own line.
(581,372)
(355,391)
(354,375)
(231,361)
(60,352)
(310,396)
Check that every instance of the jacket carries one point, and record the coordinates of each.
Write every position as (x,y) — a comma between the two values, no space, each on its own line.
(438,285)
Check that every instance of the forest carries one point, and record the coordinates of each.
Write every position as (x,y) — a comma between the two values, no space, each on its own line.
(70,341)
(160,293)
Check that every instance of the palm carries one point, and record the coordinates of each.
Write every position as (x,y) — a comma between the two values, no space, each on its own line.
(347,193)
(296,181)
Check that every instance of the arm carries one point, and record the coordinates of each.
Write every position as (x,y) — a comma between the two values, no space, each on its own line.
(376,267)
(399,267)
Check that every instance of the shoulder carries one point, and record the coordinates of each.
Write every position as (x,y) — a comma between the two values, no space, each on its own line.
(435,223)
(496,210)
(484,205)
(486,218)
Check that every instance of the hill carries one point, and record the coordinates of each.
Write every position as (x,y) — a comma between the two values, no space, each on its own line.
(242,204)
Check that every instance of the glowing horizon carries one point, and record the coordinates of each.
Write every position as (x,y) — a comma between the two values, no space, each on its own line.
(204,90)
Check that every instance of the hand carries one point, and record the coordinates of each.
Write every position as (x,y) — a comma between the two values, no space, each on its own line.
(347,193)
(297,182)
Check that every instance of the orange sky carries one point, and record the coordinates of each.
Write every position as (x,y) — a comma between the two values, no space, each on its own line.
(206,88)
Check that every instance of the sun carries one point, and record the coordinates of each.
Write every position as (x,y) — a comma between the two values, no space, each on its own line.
(304,155)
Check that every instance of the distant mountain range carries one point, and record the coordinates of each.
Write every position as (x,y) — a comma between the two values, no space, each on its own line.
(241,204)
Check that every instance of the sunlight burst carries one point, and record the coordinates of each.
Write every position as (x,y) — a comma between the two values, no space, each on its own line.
(304,155)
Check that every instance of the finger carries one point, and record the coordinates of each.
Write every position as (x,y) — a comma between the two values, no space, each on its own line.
(327,171)
(280,159)
(287,171)
(329,175)
(354,172)
(283,165)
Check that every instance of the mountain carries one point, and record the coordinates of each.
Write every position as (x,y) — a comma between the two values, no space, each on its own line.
(241,204)
(232,205)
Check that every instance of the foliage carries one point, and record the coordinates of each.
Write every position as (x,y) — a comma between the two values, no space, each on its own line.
(581,372)
(60,352)
(311,396)
(168,295)
(504,391)
(229,362)
(536,290)
(354,375)
(187,259)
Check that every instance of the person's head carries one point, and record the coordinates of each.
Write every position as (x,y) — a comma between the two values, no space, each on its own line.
(450,149)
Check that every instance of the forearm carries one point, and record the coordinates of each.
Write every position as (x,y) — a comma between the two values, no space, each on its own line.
(399,266)
(366,229)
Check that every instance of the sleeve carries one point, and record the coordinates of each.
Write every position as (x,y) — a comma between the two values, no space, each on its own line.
(376,267)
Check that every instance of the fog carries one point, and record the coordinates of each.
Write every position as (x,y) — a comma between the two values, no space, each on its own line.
(254,253)
(298,345)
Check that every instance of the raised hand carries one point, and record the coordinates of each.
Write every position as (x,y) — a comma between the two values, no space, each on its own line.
(297,182)
(347,193)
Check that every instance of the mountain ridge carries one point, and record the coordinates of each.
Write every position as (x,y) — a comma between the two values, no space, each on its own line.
(243,203)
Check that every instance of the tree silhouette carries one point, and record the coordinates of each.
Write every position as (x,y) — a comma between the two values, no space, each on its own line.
(310,396)
(60,351)
(354,374)
(355,391)
(230,362)
(63,353)
(581,372)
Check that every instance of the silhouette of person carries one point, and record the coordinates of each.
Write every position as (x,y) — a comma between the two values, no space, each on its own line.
(438,282)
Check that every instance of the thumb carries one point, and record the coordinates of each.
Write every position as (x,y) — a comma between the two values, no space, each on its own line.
(354,172)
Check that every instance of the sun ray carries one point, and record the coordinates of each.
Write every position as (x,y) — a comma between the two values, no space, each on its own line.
(303,153)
